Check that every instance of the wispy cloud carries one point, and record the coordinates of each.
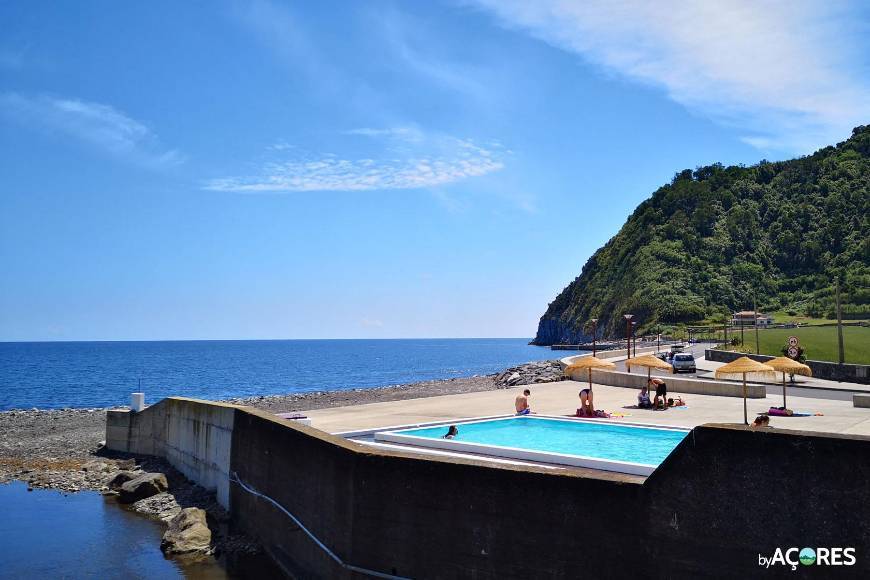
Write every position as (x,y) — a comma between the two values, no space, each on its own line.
(406,133)
(422,161)
(99,125)
(792,75)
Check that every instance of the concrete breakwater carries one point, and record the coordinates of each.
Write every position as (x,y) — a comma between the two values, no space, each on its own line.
(324,506)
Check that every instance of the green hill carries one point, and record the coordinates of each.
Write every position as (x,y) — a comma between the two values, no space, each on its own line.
(706,243)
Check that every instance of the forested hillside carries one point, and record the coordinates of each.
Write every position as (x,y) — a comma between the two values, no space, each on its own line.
(714,238)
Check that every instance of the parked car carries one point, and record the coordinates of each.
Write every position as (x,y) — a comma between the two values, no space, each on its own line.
(683,362)
(662,356)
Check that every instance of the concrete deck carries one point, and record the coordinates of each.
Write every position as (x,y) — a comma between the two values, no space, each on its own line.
(562,399)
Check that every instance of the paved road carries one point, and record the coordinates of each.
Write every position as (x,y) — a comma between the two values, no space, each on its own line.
(842,393)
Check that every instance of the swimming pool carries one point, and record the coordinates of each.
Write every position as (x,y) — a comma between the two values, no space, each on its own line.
(585,443)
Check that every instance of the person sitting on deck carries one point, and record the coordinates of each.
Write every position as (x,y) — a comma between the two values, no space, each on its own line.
(643,401)
(522,403)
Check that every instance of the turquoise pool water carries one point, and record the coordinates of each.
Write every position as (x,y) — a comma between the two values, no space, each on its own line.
(599,440)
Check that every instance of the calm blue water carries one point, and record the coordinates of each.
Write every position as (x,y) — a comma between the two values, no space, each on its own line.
(601,440)
(46,535)
(99,374)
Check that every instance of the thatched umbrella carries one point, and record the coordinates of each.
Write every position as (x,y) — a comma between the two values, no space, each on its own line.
(740,368)
(784,365)
(589,363)
(650,362)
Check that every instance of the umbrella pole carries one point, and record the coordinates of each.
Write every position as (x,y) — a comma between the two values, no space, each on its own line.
(784,406)
(590,379)
(745,414)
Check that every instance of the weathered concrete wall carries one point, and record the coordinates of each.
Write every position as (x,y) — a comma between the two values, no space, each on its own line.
(194,436)
(826,370)
(675,383)
(422,517)
(861,400)
(729,493)
(724,496)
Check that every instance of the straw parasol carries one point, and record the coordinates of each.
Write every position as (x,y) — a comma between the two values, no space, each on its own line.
(739,369)
(650,362)
(589,363)
(784,365)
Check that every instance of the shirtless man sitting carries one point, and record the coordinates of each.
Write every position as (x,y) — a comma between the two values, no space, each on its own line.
(522,403)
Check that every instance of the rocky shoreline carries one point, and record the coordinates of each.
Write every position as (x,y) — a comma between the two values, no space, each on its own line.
(63,449)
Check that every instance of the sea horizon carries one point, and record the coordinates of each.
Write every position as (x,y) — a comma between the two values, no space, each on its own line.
(264,339)
(88,374)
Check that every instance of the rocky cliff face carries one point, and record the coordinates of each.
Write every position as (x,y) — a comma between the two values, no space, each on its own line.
(554,331)
(717,238)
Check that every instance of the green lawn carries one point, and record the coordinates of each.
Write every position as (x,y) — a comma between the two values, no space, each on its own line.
(818,342)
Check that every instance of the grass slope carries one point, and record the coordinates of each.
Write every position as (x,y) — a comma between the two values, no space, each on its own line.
(818,342)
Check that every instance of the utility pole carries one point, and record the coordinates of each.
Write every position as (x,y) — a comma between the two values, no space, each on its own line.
(839,320)
(741,331)
(594,322)
(628,335)
(755,318)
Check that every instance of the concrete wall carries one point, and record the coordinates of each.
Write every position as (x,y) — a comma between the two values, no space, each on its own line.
(728,493)
(194,436)
(725,495)
(676,384)
(826,370)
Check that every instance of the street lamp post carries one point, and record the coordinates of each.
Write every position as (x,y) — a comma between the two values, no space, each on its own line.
(628,318)
(594,322)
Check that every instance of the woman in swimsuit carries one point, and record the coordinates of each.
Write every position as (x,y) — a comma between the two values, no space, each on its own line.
(586,409)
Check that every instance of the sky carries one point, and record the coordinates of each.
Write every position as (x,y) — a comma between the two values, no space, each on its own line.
(270,170)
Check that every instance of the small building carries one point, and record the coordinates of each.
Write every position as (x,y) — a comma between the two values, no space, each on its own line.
(751,318)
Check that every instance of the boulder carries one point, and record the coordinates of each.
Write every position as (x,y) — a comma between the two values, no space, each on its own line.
(143,486)
(187,533)
(121,478)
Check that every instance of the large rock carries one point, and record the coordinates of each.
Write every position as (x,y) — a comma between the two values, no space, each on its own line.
(187,533)
(547,371)
(121,478)
(143,486)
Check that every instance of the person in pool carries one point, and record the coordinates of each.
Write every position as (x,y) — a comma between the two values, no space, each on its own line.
(522,403)
(452,432)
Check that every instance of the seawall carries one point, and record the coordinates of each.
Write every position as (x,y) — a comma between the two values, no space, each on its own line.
(325,506)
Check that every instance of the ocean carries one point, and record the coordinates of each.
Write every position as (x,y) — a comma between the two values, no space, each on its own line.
(50,375)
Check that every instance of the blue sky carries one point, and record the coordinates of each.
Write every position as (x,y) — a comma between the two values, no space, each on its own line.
(175,170)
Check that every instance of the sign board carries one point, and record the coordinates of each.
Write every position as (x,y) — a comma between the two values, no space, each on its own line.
(793,352)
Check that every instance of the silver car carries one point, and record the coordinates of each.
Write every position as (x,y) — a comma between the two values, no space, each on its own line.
(683,362)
